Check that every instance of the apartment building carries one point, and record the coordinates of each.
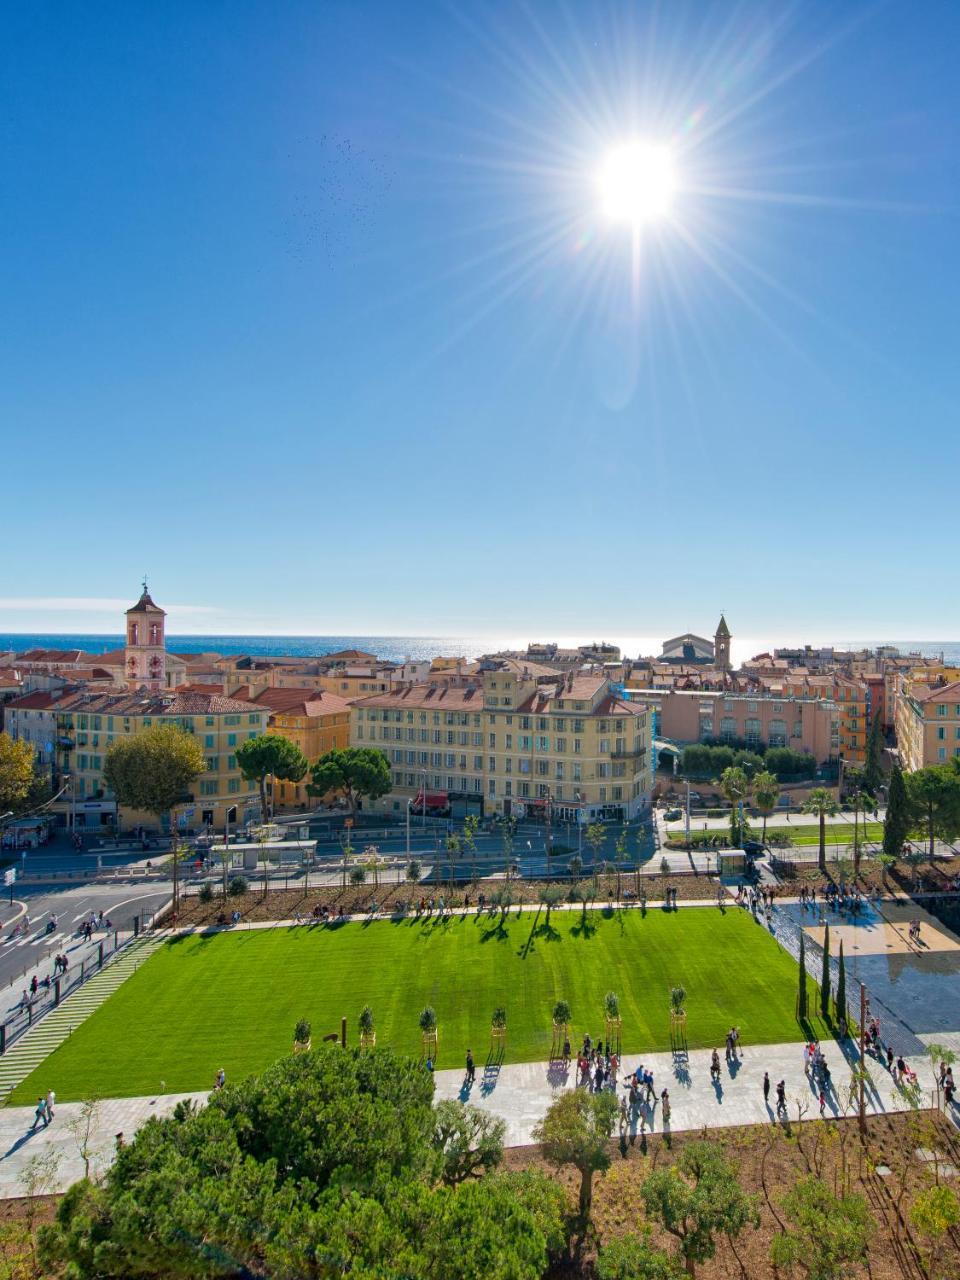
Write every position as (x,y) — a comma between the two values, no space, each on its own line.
(928,723)
(84,724)
(518,739)
(804,723)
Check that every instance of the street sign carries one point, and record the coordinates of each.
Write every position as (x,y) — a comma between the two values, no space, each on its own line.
(10,876)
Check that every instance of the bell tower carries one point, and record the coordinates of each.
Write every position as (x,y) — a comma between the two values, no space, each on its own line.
(145,656)
(721,646)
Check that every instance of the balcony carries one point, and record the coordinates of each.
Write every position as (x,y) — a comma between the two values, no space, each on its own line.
(636,753)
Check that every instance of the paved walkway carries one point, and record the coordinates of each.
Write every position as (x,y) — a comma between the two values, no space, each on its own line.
(518,1092)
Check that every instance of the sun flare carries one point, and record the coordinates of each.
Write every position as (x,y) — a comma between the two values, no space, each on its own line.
(637,183)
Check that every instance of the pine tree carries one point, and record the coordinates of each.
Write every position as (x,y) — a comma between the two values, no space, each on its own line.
(841,1000)
(802,995)
(825,978)
(896,825)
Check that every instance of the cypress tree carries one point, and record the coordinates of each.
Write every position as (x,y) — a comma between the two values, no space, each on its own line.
(896,824)
(873,767)
(825,978)
(802,994)
(841,1000)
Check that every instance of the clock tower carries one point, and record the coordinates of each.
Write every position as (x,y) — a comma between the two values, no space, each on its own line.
(145,657)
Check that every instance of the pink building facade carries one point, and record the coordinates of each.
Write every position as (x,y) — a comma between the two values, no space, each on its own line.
(805,724)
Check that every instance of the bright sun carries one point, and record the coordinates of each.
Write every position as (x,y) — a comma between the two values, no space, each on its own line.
(637,183)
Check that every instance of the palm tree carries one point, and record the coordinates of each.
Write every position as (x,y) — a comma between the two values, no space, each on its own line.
(766,793)
(620,851)
(821,802)
(468,841)
(735,786)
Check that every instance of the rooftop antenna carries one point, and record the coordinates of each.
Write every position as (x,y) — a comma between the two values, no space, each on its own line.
(144,584)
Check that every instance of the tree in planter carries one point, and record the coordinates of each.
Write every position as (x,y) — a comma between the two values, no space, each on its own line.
(828,1235)
(301,1036)
(802,1007)
(575,866)
(561,1014)
(154,771)
(896,823)
(576,1131)
(270,755)
(825,976)
(428,1026)
(468,1140)
(766,793)
(353,772)
(633,1257)
(678,998)
(821,802)
(697,1199)
(414,870)
(368,1036)
(611,1009)
(498,1026)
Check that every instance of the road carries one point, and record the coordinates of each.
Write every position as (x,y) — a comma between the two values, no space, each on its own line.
(21,955)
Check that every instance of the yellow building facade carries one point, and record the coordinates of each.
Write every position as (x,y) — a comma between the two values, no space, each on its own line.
(318,723)
(87,724)
(928,723)
(520,741)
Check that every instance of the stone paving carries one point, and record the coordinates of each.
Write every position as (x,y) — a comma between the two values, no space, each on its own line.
(518,1092)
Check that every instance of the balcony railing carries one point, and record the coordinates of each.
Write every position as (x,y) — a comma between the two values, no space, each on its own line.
(635,753)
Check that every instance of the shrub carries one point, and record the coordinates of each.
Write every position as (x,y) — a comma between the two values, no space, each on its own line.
(365,1020)
(428,1020)
(561,1012)
(414,870)
(206,893)
(237,887)
(358,875)
(301,1032)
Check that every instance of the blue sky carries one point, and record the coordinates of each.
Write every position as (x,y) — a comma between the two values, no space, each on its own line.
(310,311)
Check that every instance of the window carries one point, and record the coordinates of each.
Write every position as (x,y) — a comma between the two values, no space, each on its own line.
(576,746)
(509,742)
(231,740)
(493,742)
(941,709)
(559,770)
(542,744)
(576,770)
(233,785)
(604,746)
(561,746)
(578,726)
(941,733)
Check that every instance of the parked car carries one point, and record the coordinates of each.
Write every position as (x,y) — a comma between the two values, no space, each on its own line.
(672,815)
(753,848)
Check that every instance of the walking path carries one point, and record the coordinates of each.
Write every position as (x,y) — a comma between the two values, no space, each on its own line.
(517,1092)
(51,1031)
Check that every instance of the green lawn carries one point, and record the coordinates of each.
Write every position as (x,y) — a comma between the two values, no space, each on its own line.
(231,1000)
(836,833)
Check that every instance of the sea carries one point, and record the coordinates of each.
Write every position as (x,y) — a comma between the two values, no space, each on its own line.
(399,648)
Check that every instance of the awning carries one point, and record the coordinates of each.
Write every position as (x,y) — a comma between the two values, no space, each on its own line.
(435,800)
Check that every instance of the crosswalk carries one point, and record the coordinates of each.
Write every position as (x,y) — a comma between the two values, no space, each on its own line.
(50,1032)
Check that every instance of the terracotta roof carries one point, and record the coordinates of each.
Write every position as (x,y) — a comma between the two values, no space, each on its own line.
(940,693)
(320,703)
(145,604)
(445,696)
(40,700)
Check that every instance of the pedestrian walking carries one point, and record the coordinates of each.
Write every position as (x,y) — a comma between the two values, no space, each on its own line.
(782,1098)
(51,1103)
(823,1103)
(766,1088)
(665,1108)
(40,1114)
(471,1067)
(221,1078)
